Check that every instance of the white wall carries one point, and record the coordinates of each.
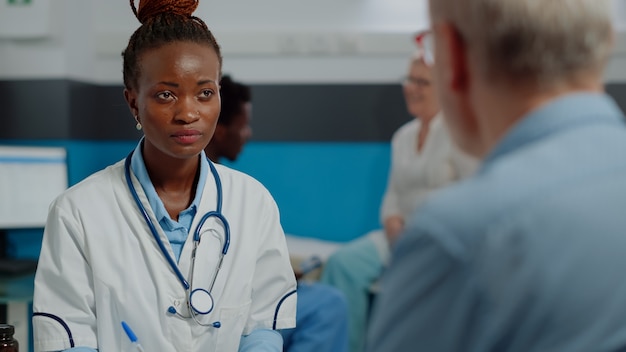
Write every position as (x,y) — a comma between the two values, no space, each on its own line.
(270,41)
(289,40)
(245,15)
(55,43)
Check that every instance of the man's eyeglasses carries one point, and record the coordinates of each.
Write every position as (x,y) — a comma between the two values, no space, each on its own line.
(424,42)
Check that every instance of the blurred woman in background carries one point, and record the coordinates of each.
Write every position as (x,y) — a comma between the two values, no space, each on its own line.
(423,159)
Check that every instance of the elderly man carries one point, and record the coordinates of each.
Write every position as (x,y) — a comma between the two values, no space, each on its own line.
(527,255)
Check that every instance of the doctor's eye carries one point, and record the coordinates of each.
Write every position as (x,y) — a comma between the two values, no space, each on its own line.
(165,96)
(206,93)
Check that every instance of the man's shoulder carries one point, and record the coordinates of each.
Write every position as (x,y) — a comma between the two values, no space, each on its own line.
(460,214)
(528,188)
(452,216)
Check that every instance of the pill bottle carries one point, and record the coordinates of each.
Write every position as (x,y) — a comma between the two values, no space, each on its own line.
(7,342)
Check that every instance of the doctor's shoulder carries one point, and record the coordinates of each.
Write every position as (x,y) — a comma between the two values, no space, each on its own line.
(95,188)
(240,184)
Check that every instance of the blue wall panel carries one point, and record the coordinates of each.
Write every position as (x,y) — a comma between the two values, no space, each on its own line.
(328,191)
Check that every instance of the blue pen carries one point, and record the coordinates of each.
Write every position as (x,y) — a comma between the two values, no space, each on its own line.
(131,335)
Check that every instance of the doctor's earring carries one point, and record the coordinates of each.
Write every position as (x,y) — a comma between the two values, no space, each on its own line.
(138,125)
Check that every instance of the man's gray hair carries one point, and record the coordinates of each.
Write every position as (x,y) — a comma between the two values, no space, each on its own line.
(546,41)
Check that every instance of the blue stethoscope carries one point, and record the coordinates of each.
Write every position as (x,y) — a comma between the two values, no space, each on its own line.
(200,300)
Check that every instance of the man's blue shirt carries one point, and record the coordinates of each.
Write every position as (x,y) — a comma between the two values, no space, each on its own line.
(528,254)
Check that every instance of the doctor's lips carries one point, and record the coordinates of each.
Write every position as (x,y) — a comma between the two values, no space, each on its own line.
(187,136)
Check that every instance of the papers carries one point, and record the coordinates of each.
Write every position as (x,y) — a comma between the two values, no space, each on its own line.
(30,179)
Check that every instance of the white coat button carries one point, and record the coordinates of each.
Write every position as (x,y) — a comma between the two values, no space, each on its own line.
(177,303)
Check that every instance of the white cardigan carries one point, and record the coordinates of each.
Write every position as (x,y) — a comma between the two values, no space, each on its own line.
(413,176)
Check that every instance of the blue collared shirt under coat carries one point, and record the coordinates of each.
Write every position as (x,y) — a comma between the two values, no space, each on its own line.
(176,231)
(527,255)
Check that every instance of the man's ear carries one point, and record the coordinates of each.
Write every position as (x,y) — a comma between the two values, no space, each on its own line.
(454,57)
(131,100)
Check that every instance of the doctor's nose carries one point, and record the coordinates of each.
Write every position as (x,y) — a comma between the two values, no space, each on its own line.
(187,112)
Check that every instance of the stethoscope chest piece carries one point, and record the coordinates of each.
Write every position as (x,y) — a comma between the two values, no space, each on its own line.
(201,301)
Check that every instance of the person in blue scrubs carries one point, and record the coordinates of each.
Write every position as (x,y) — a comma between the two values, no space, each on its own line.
(322,312)
(528,254)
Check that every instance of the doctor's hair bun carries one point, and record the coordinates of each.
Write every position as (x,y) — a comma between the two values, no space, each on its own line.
(163,22)
(150,8)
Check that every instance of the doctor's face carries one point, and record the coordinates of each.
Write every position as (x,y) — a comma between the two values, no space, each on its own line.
(177,99)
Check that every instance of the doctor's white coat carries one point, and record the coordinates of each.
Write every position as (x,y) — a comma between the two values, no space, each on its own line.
(100,265)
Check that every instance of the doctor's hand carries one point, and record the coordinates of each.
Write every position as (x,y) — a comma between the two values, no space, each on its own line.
(394,225)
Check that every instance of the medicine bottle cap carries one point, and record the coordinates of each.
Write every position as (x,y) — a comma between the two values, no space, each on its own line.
(6,329)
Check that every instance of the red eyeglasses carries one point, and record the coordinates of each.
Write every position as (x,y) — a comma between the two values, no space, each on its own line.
(424,42)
